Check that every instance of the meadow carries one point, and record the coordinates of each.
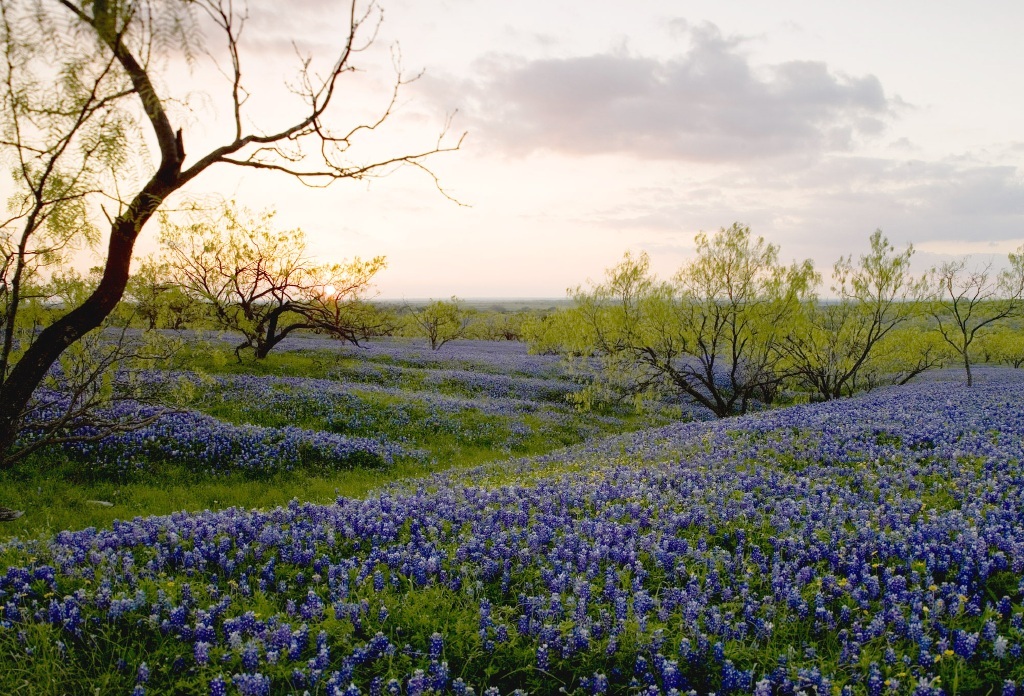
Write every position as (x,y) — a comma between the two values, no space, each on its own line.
(394,520)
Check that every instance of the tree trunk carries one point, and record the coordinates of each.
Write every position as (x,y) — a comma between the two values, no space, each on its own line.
(263,349)
(271,337)
(967,366)
(45,350)
(47,347)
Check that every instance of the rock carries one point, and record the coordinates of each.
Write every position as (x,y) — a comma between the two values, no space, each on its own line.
(8,515)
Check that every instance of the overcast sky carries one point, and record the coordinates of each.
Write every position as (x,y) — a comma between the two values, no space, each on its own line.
(596,127)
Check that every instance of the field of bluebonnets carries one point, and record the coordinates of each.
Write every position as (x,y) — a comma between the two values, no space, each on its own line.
(872,545)
(314,419)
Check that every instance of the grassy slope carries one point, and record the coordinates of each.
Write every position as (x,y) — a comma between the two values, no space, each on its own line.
(55,496)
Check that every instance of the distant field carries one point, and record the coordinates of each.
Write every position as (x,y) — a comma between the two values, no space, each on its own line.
(496,304)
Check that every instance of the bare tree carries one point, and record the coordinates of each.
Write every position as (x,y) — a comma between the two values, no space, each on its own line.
(968,302)
(83,106)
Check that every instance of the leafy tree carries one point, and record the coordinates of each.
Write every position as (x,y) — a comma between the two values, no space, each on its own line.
(832,342)
(902,354)
(500,325)
(145,290)
(154,298)
(441,321)
(262,283)
(1005,344)
(178,310)
(551,333)
(712,334)
(968,303)
(87,124)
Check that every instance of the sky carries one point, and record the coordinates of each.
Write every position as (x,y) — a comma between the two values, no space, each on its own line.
(597,127)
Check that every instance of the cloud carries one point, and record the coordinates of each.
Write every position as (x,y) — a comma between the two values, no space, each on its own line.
(831,207)
(708,103)
(955,198)
(317,27)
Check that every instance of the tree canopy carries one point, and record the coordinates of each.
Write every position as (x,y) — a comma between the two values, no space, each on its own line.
(712,334)
(832,343)
(262,282)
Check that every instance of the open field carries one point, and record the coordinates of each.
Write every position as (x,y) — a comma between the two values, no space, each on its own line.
(315,420)
(872,545)
(568,348)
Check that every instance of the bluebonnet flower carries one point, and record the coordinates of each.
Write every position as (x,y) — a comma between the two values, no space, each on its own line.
(436,646)
(201,652)
(251,684)
(218,687)
(596,548)
(543,662)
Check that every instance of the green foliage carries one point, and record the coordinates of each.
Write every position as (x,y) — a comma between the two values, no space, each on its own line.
(712,334)
(440,321)
(903,353)
(261,282)
(154,300)
(1004,344)
(500,325)
(833,346)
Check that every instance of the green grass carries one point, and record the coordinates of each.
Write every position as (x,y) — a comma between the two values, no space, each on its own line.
(56,492)
(52,503)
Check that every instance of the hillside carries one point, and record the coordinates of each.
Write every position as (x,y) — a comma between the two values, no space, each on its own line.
(873,544)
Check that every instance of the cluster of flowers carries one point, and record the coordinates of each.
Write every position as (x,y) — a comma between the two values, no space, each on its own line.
(401,415)
(872,545)
(205,445)
(500,386)
(304,397)
(496,357)
(476,379)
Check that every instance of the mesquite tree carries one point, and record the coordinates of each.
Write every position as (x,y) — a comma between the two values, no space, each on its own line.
(91,122)
(832,343)
(261,282)
(440,322)
(968,302)
(154,299)
(711,335)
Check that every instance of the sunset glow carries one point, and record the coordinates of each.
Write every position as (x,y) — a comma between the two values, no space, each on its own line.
(596,128)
